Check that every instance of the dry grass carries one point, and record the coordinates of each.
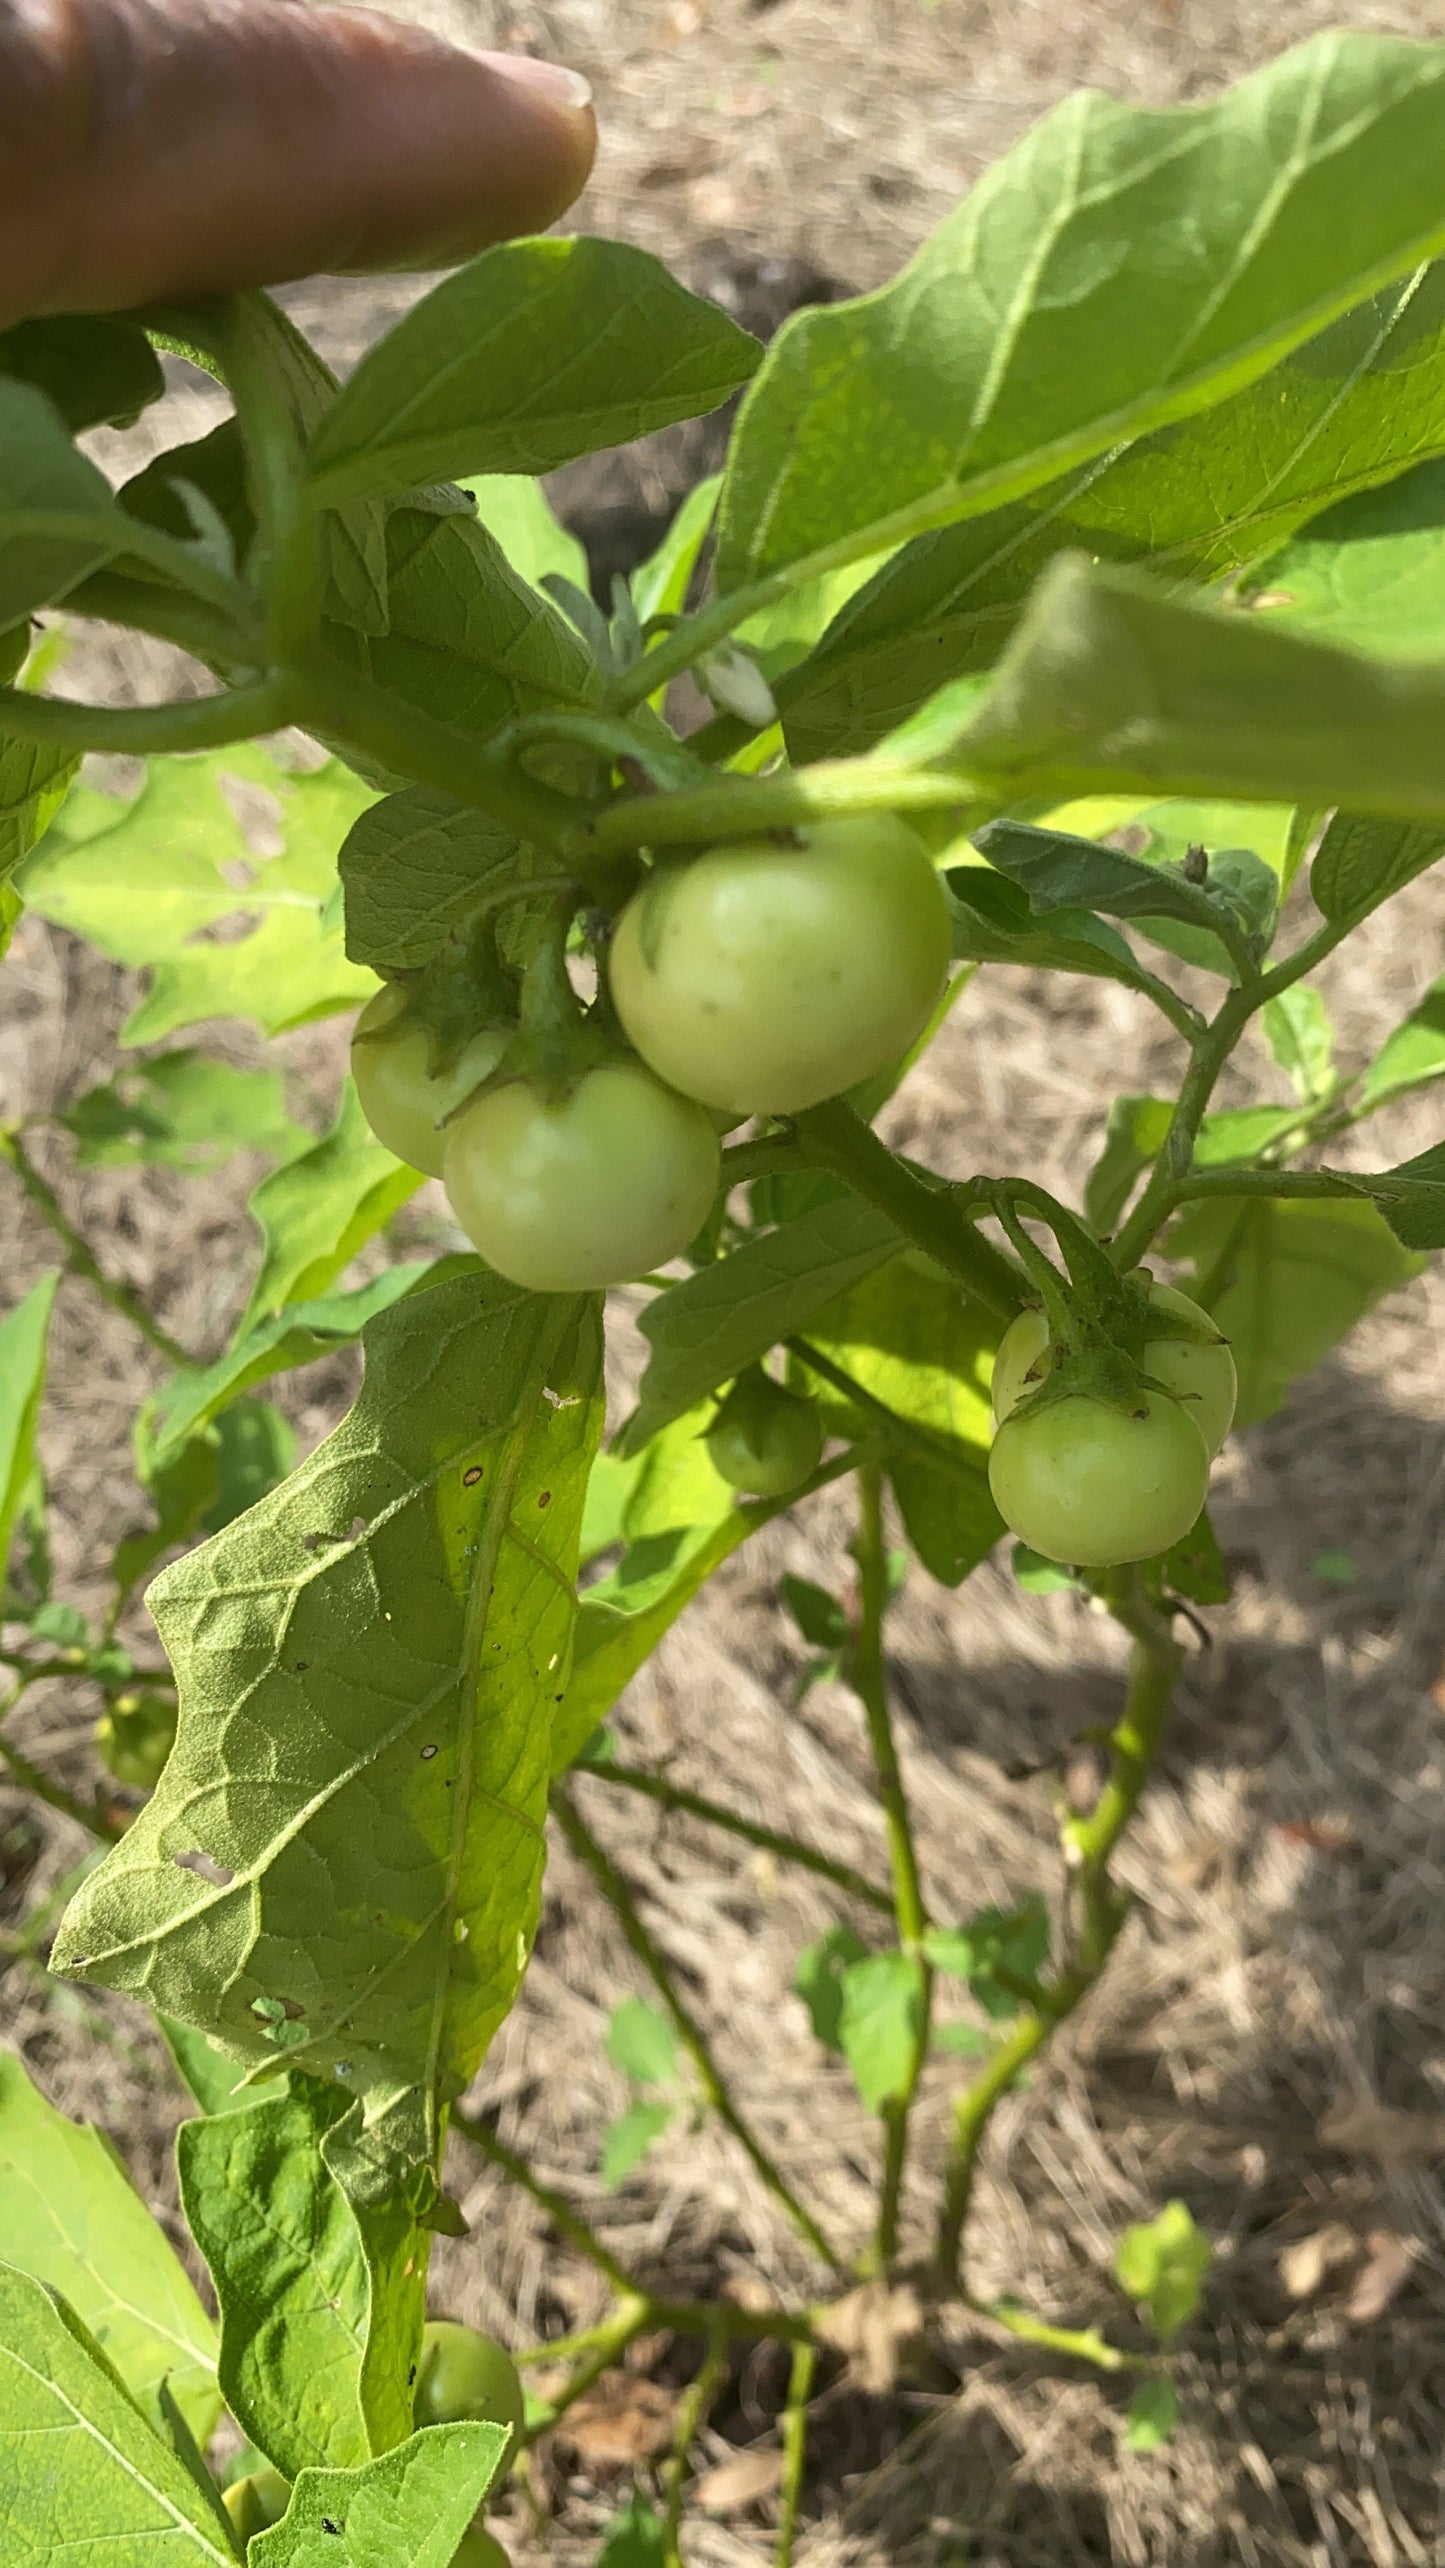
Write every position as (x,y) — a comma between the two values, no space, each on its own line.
(1288,1947)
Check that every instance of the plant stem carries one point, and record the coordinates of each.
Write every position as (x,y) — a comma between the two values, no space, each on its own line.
(868,1675)
(740,806)
(631,2316)
(294,568)
(920,1440)
(691,2416)
(837,1139)
(614,1889)
(1088,1841)
(148,730)
(1083,2344)
(789,1850)
(81,1258)
(568,2223)
(795,2451)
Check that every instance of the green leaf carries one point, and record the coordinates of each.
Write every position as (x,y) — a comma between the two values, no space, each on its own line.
(1412,1198)
(1236,1135)
(1153,2415)
(1195,1567)
(819,1617)
(1040,1577)
(994,923)
(1361,862)
(907,1334)
(1298,1031)
(604,1520)
(1060,871)
(83,2475)
(626,2141)
(1122,267)
(470,641)
(998,1946)
(1134,1136)
(300,1334)
(1367,572)
(412,869)
(413,2504)
(1110,683)
(1199,499)
(880,2018)
(70,2217)
(317,1211)
(819,1981)
(1161,2264)
(634,2537)
(710,1328)
(294,2286)
(97,369)
(58,517)
(34,781)
(214,2081)
(257,1449)
(181,1110)
(22,1383)
(515,508)
(527,356)
(641,2043)
(1412,1057)
(1286,1281)
(661,583)
(346,1846)
(152,881)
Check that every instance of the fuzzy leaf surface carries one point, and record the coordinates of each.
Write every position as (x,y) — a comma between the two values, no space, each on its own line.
(413,2504)
(341,1864)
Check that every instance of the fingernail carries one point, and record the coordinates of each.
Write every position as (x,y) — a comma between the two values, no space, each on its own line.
(551,80)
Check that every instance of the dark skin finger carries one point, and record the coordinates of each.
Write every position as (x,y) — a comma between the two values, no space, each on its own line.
(158,147)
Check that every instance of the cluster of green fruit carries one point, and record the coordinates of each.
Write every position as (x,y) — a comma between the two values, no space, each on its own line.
(757,979)
(461,2374)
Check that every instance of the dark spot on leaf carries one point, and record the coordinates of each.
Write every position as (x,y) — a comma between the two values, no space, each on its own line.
(292,2009)
(302,1667)
(472,1476)
(546,1498)
(328,2526)
(411,2376)
(196,1860)
(427,1754)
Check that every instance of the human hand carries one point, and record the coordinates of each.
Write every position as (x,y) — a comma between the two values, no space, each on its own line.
(160,147)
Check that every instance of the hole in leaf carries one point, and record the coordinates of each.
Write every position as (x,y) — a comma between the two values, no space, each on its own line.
(427,1754)
(205,1866)
(471,1477)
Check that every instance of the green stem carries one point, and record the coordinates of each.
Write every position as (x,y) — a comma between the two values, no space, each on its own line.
(1306,1182)
(339,704)
(172,615)
(691,2417)
(568,2223)
(631,2316)
(789,1850)
(619,1898)
(904,1431)
(795,2451)
(839,1140)
(141,731)
(1088,1841)
(1082,2344)
(740,806)
(79,1255)
(868,1676)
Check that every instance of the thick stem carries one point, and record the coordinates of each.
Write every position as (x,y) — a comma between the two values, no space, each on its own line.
(149,730)
(795,2451)
(789,1850)
(1089,1840)
(741,806)
(837,1139)
(869,1677)
(619,1898)
(80,1257)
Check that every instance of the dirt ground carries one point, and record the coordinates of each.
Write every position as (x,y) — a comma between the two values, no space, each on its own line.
(1270,2043)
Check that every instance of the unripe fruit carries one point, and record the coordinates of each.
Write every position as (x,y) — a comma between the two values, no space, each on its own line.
(764,1440)
(462,2373)
(765,977)
(1092,1486)
(401,1100)
(257,2501)
(1201,1376)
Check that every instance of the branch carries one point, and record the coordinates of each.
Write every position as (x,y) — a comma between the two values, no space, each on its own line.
(789,1850)
(568,2223)
(838,1139)
(203,722)
(619,1898)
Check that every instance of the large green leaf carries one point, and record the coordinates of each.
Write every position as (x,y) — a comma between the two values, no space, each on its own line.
(70,2216)
(412,2505)
(912,1339)
(34,779)
(1236,902)
(1109,683)
(82,2477)
(320,1208)
(1196,500)
(412,868)
(1412,1057)
(1370,572)
(22,1384)
(58,516)
(470,641)
(532,353)
(342,1860)
(1360,863)
(182,1110)
(1286,1281)
(95,367)
(152,881)
(515,508)
(1121,267)
(296,2288)
(704,1331)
